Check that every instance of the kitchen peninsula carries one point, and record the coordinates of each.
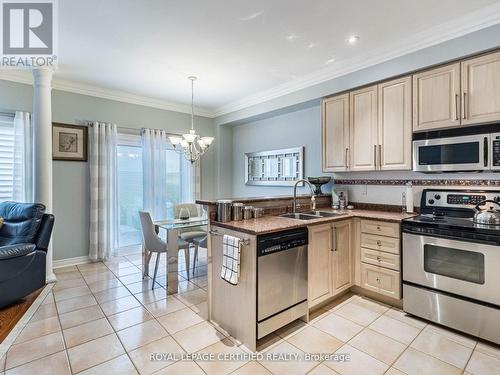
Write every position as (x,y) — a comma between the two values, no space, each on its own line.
(290,266)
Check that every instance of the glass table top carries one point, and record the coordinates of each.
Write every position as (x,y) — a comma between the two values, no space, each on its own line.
(179,224)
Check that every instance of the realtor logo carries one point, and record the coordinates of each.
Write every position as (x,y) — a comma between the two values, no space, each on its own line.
(28,33)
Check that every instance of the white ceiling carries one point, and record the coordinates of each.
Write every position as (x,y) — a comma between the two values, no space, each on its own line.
(241,50)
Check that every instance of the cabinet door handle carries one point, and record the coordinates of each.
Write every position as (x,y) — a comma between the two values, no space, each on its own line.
(464,100)
(379,259)
(334,238)
(380,156)
(375,156)
(379,243)
(378,280)
(346,157)
(456,107)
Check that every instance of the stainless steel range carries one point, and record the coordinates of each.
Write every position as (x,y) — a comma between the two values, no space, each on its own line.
(451,264)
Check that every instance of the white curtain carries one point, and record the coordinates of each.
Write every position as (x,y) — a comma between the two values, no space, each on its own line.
(154,169)
(23,158)
(103,190)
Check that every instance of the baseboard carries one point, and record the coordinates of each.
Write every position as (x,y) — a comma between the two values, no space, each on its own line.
(70,262)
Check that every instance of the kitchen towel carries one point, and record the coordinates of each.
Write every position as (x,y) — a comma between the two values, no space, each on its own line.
(231,247)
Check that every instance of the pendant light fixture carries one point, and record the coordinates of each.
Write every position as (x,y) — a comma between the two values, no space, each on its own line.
(191,145)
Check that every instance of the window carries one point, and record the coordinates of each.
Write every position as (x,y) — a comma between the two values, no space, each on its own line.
(179,186)
(6,158)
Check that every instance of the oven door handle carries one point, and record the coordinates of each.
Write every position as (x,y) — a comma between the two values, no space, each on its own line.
(484,239)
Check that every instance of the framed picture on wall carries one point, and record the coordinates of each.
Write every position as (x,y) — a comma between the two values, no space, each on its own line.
(69,142)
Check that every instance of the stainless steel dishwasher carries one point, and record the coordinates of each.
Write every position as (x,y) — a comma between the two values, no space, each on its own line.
(281,279)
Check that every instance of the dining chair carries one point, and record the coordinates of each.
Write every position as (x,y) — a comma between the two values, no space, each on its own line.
(198,242)
(154,244)
(192,234)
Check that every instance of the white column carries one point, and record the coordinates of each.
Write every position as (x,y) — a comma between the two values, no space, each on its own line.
(42,129)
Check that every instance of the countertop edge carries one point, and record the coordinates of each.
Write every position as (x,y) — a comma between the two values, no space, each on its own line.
(295,223)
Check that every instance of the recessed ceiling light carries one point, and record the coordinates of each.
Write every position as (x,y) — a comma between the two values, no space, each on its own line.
(330,61)
(251,16)
(311,45)
(353,39)
(291,37)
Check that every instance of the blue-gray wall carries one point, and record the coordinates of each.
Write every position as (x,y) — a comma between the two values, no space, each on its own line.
(294,119)
(71,179)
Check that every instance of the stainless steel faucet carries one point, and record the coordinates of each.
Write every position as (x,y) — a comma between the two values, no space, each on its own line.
(313,197)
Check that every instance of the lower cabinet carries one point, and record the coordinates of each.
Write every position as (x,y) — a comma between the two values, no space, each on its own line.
(341,261)
(320,286)
(329,261)
(381,280)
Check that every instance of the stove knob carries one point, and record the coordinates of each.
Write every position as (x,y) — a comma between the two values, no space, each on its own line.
(431,201)
(437,196)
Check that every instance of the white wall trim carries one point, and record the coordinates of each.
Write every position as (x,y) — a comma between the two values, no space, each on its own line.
(106,93)
(70,262)
(474,21)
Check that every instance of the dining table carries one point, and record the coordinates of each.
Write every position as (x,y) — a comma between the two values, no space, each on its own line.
(173,228)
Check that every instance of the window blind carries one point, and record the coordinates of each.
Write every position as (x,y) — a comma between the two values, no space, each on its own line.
(6,158)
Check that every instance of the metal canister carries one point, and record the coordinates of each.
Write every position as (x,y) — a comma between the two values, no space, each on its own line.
(224,210)
(247,212)
(237,211)
(258,212)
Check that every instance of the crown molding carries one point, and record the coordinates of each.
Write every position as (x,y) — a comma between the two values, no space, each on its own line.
(467,24)
(25,76)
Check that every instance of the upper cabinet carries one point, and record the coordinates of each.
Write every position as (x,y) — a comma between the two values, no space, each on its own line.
(481,89)
(377,133)
(436,98)
(335,133)
(363,129)
(465,93)
(394,124)
(370,129)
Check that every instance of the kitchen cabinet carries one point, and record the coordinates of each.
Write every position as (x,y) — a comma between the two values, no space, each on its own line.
(377,133)
(363,129)
(335,133)
(380,257)
(394,125)
(381,280)
(320,285)
(341,260)
(436,98)
(481,89)
(329,261)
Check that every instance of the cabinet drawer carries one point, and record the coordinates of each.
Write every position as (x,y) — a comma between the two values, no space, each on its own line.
(381,280)
(382,228)
(379,258)
(381,243)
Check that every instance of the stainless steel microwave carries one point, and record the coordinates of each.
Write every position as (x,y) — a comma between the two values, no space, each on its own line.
(478,152)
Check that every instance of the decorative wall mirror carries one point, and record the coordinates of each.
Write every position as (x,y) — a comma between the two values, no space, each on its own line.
(274,168)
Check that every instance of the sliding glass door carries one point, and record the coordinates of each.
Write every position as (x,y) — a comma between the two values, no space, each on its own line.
(129,152)
(179,186)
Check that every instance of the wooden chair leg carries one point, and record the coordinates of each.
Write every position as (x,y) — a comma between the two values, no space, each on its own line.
(156,269)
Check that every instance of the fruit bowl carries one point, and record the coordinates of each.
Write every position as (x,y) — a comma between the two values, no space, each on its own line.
(318,182)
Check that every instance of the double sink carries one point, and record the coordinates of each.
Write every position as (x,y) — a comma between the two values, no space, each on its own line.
(311,215)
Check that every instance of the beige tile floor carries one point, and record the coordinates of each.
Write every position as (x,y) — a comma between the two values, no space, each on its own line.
(101,318)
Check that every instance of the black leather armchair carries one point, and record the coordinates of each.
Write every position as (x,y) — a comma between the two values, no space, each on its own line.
(24,239)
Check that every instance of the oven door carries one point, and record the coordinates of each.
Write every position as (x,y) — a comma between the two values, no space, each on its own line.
(463,268)
(467,153)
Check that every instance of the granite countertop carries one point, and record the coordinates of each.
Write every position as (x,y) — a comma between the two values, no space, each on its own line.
(268,224)
(213,202)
